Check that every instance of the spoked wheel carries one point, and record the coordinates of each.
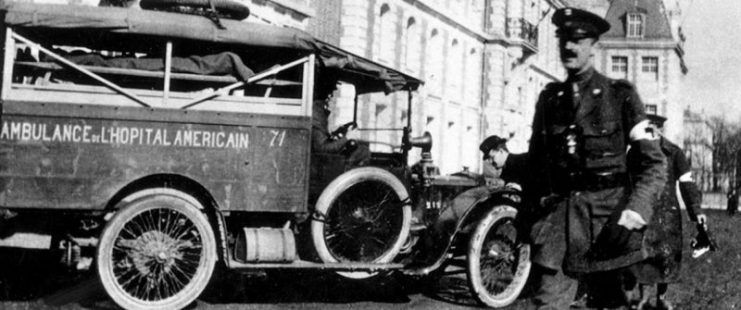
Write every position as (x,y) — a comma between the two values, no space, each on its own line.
(498,267)
(157,252)
(362,216)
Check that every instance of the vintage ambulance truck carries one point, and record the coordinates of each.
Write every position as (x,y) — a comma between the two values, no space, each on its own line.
(160,146)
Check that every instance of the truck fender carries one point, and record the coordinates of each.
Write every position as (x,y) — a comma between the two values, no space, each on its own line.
(215,215)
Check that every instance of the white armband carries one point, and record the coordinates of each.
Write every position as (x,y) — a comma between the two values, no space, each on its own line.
(642,131)
(687,177)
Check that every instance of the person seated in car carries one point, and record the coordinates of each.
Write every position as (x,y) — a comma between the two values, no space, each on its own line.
(324,141)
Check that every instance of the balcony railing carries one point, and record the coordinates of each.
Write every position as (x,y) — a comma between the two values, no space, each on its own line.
(522,29)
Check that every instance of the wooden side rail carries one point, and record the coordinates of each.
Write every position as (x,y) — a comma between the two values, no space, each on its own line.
(50,66)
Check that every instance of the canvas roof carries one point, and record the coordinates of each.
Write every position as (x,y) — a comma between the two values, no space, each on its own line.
(126,26)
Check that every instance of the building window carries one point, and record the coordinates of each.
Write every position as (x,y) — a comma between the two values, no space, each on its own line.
(636,23)
(476,12)
(411,58)
(650,67)
(455,57)
(472,75)
(620,66)
(434,64)
(458,6)
(386,35)
(651,109)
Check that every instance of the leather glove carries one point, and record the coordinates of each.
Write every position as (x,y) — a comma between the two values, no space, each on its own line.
(612,240)
(350,146)
(342,130)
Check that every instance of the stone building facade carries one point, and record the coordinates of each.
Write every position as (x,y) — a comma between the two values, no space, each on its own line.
(484,62)
(644,46)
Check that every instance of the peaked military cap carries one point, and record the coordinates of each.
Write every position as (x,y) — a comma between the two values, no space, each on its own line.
(491,142)
(656,119)
(576,23)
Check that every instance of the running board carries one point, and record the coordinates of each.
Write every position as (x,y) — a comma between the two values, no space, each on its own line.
(302,264)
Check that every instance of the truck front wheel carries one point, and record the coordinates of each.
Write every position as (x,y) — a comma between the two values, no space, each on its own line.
(364,215)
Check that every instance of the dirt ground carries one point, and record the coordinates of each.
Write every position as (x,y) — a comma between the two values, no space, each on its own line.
(711,282)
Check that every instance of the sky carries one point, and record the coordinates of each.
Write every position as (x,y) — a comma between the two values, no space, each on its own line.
(713,55)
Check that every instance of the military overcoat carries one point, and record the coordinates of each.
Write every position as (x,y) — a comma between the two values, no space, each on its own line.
(596,118)
(663,237)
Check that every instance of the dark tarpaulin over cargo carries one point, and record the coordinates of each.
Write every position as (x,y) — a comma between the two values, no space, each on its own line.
(367,76)
(95,22)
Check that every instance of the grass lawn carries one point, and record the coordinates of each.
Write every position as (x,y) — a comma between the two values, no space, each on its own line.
(712,281)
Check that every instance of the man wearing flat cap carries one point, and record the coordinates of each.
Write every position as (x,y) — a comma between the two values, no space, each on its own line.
(512,166)
(592,215)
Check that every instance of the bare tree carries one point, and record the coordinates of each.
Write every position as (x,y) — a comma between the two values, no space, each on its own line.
(726,151)
(699,134)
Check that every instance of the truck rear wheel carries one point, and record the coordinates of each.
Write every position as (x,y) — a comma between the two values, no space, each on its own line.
(363,215)
(157,252)
(498,267)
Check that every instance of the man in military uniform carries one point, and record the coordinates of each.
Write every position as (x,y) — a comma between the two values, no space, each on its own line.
(663,237)
(592,214)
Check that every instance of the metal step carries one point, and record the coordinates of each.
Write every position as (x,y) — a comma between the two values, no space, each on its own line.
(302,264)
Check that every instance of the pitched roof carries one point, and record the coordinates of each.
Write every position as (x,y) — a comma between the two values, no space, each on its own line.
(657,24)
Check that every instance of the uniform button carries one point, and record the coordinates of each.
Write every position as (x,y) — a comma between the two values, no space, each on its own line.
(604,130)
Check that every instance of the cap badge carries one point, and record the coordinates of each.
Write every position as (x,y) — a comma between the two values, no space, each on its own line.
(567,12)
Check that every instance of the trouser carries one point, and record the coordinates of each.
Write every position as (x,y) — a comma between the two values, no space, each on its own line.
(555,290)
(360,155)
(608,289)
(732,206)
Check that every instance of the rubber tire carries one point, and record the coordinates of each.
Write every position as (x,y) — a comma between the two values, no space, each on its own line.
(335,189)
(225,8)
(202,275)
(476,242)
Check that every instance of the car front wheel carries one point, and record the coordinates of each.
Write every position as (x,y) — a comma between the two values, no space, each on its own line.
(498,267)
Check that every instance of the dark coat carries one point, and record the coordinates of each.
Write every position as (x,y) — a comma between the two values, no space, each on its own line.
(732,203)
(515,169)
(663,237)
(321,140)
(602,114)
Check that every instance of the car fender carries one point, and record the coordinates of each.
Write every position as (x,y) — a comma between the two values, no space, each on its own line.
(456,217)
